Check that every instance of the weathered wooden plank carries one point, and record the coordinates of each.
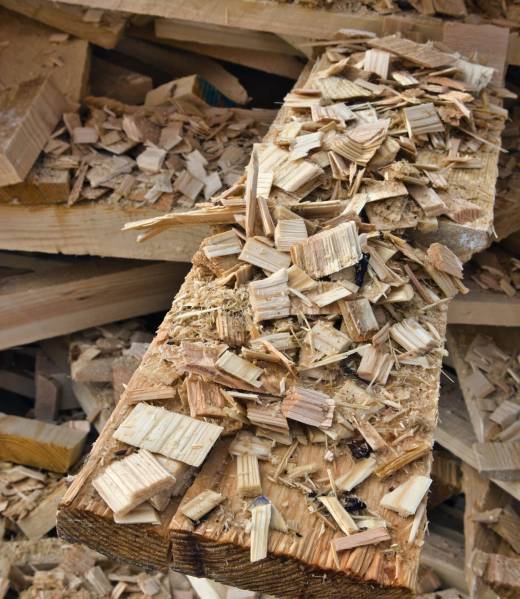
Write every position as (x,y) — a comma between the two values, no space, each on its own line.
(73,296)
(106,32)
(29,53)
(482,307)
(92,229)
(286,19)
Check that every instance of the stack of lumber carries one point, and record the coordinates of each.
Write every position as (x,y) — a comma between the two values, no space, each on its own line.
(293,385)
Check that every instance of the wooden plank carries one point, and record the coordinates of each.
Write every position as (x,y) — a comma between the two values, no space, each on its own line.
(286,19)
(285,65)
(482,307)
(33,443)
(218,547)
(28,114)
(93,229)
(76,295)
(105,33)
(28,53)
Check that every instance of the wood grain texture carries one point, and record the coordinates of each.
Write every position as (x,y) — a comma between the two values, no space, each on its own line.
(482,307)
(285,19)
(29,53)
(76,295)
(70,19)
(28,114)
(92,229)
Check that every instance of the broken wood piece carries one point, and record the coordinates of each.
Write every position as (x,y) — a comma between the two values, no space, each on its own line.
(442,258)
(269,297)
(240,368)
(127,483)
(412,336)
(28,115)
(498,460)
(42,519)
(373,536)
(308,406)
(202,504)
(260,521)
(359,319)
(39,444)
(248,475)
(428,199)
(356,474)
(375,365)
(340,515)
(259,254)
(170,434)
(142,514)
(289,232)
(406,498)
(422,119)
(329,251)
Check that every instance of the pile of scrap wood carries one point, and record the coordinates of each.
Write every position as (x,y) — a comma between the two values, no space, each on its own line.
(294,381)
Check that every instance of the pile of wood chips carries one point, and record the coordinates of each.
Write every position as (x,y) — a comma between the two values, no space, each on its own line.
(171,152)
(303,321)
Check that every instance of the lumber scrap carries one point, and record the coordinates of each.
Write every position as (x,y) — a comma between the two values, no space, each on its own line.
(28,53)
(39,444)
(189,342)
(40,305)
(290,19)
(103,29)
(484,307)
(43,518)
(28,114)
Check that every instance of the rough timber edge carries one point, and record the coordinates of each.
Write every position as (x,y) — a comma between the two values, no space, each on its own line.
(288,20)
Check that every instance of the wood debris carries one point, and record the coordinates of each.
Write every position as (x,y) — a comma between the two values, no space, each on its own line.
(199,506)
(406,498)
(127,483)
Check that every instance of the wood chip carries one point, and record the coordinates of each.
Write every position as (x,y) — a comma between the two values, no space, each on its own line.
(372,536)
(260,521)
(126,483)
(248,475)
(173,435)
(406,498)
(202,504)
(342,518)
(308,406)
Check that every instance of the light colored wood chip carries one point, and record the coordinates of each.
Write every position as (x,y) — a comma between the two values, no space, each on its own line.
(289,232)
(260,522)
(328,293)
(506,413)
(370,434)
(269,297)
(171,434)
(202,504)
(375,366)
(248,475)
(245,443)
(240,368)
(126,483)
(412,336)
(378,62)
(142,514)
(304,144)
(268,417)
(259,254)
(329,251)
(421,119)
(204,398)
(372,536)
(342,518)
(424,55)
(442,258)
(360,144)
(222,244)
(294,175)
(428,199)
(478,385)
(356,474)
(309,406)
(151,160)
(359,319)
(326,339)
(300,280)
(406,498)
(339,88)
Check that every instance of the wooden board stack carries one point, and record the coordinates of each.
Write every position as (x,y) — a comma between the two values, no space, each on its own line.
(293,385)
